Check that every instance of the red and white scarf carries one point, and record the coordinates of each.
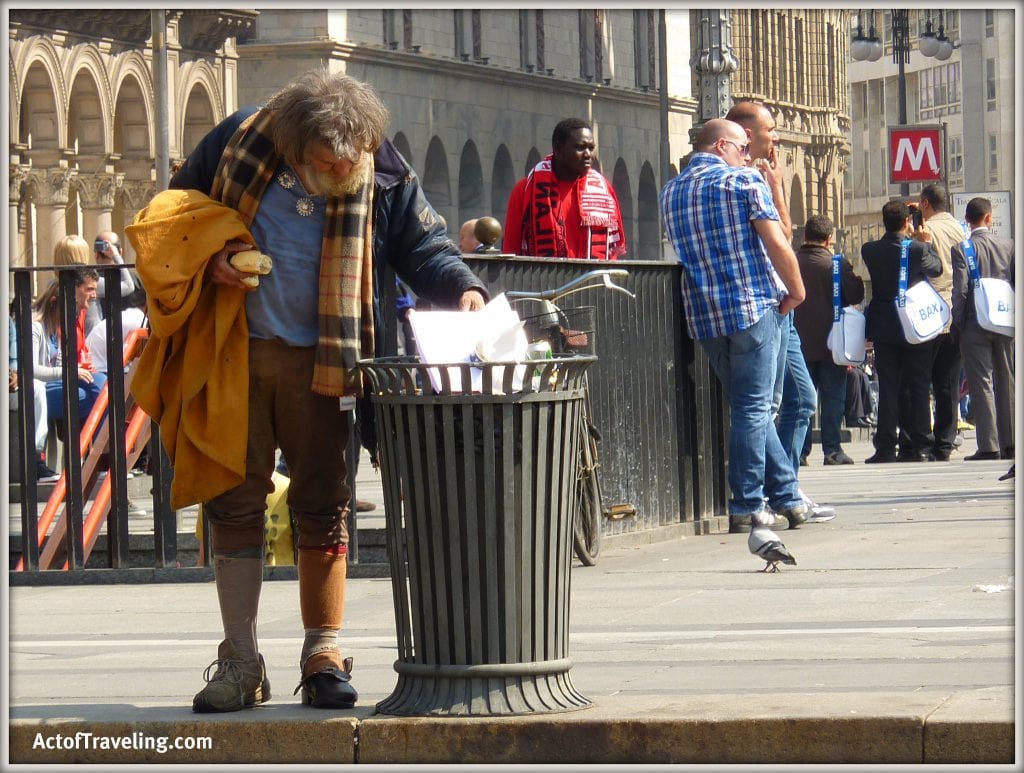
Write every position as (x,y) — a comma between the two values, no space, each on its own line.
(599,216)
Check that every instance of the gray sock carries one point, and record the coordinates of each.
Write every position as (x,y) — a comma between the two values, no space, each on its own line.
(318,640)
(239,579)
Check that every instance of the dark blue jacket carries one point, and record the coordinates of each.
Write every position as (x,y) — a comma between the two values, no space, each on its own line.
(408,234)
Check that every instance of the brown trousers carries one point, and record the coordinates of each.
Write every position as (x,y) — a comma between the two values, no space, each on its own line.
(312,433)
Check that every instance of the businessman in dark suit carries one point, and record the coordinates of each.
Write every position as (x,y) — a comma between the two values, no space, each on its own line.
(898,363)
(988,356)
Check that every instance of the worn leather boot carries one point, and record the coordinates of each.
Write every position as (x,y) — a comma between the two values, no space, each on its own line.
(236,684)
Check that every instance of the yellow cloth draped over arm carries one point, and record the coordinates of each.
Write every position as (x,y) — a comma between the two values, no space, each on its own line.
(193,375)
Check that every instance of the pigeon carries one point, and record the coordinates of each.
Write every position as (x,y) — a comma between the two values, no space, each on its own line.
(765,543)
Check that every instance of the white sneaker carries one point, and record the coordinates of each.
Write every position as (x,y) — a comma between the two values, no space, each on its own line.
(817,513)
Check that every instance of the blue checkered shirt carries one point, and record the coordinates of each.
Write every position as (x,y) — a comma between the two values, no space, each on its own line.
(728,281)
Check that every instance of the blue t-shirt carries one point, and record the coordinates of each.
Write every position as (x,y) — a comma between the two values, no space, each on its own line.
(289,227)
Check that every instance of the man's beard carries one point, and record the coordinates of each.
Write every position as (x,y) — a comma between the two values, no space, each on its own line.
(328,184)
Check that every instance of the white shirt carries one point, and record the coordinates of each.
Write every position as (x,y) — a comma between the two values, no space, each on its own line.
(131,319)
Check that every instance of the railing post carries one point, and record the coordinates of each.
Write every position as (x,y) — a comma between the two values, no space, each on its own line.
(27,420)
(72,421)
(117,520)
(165,520)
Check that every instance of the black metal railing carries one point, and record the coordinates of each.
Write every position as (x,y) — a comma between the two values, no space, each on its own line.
(657,404)
(75,497)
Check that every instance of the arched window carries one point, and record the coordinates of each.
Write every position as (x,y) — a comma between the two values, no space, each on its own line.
(471,184)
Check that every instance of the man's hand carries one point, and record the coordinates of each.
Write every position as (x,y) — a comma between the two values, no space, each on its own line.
(84,374)
(789,303)
(922,234)
(472,300)
(109,255)
(12,380)
(220,271)
(767,170)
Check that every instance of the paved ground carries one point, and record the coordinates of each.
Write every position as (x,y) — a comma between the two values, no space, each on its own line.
(891,641)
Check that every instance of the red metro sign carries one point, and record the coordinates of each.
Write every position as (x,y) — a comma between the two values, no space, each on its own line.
(915,154)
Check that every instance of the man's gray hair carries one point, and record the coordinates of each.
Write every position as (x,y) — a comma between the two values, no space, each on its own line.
(332,109)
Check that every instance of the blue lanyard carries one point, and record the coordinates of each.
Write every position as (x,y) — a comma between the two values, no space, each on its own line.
(901,301)
(972,262)
(836,306)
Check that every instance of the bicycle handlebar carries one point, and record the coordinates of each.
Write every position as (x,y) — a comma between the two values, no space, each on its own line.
(574,285)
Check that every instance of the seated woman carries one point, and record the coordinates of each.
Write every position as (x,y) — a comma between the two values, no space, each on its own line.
(46,345)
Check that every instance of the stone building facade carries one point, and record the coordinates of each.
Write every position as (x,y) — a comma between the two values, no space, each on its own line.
(794,61)
(474,96)
(83,117)
(971,96)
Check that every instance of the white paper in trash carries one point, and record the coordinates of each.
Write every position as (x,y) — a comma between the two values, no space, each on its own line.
(495,333)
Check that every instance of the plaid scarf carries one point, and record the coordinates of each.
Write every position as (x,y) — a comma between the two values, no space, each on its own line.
(346,258)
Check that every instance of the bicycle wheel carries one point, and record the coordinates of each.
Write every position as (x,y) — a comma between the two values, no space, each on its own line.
(588,517)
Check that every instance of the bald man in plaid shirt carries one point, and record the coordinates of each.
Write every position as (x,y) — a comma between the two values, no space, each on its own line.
(740,277)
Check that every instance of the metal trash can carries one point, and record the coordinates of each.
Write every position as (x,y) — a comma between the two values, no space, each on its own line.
(478,492)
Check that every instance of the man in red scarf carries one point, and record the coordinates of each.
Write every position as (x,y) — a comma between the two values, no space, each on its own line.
(564,208)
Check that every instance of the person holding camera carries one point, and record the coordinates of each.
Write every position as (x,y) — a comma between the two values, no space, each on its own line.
(900,365)
(107,249)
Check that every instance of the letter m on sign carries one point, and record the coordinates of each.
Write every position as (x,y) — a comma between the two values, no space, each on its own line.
(915,154)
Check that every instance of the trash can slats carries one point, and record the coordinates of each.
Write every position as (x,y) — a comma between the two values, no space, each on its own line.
(479,506)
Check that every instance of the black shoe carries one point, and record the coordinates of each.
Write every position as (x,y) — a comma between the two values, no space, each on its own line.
(982,456)
(1008,474)
(940,456)
(44,474)
(803,461)
(329,688)
(916,456)
(1006,453)
(881,457)
(838,457)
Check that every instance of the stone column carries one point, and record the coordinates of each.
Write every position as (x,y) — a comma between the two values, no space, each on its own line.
(135,195)
(96,194)
(48,190)
(713,61)
(17,175)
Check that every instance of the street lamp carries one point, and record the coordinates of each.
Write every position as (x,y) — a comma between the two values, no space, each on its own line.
(931,45)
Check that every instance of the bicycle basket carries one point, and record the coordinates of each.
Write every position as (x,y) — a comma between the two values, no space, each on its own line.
(569,331)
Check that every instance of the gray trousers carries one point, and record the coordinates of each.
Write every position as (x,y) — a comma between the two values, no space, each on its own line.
(989,364)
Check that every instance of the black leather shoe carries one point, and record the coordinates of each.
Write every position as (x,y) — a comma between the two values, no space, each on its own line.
(916,456)
(940,456)
(982,456)
(329,689)
(881,458)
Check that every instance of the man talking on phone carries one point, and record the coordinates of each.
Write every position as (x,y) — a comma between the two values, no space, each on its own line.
(794,397)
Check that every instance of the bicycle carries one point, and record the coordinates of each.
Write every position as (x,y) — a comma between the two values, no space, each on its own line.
(571,331)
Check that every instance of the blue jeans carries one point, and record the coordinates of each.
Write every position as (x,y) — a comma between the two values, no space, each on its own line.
(745,363)
(87,394)
(794,399)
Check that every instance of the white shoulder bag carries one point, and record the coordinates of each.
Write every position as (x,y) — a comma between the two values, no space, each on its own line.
(922,312)
(993,298)
(846,338)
